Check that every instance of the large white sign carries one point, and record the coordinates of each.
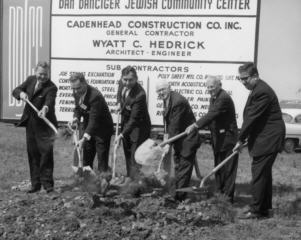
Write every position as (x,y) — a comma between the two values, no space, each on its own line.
(155,7)
(181,41)
(186,78)
(170,38)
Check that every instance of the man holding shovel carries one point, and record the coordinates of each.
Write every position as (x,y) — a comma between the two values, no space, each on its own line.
(264,128)
(97,125)
(178,116)
(39,91)
(223,127)
(135,120)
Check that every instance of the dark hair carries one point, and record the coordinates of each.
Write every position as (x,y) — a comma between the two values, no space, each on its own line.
(127,70)
(78,76)
(250,68)
(42,64)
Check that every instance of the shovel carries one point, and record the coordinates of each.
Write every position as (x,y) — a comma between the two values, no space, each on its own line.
(44,118)
(150,153)
(202,188)
(78,167)
(161,173)
(197,169)
(115,148)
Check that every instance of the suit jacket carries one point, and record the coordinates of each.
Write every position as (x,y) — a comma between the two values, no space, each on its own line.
(178,116)
(221,120)
(135,120)
(96,114)
(262,121)
(45,95)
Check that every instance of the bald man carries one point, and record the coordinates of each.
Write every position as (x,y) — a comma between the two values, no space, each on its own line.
(223,127)
(177,117)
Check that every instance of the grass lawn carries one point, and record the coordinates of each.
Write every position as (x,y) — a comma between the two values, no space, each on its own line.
(286,223)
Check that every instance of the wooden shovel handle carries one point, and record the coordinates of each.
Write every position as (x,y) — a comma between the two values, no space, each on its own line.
(219,166)
(117,124)
(115,147)
(44,118)
(174,138)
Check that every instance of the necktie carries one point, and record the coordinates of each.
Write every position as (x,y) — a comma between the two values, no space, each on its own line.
(37,87)
(164,121)
(164,105)
(125,93)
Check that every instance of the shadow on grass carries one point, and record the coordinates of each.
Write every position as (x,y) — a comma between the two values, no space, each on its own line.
(279,189)
(243,197)
(290,208)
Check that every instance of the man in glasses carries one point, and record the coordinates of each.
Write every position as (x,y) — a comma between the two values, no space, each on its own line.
(264,129)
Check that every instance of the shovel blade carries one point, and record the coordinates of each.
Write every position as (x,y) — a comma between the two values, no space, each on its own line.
(75,169)
(186,189)
(89,170)
(193,190)
(78,171)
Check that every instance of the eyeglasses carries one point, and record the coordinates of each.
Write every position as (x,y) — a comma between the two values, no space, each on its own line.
(76,88)
(243,79)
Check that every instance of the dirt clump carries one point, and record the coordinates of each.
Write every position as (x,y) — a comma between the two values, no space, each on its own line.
(75,213)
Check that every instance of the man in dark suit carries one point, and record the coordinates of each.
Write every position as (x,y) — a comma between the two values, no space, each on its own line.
(264,129)
(135,120)
(41,91)
(97,122)
(223,127)
(177,117)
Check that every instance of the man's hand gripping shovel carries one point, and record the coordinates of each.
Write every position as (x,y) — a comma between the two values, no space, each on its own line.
(116,145)
(203,189)
(150,153)
(41,116)
(78,167)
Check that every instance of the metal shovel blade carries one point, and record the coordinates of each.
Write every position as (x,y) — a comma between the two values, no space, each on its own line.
(89,170)
(194,189)
(202,188)
(80,170)
(76,167)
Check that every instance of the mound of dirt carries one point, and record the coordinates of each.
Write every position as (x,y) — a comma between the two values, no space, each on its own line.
(72,212)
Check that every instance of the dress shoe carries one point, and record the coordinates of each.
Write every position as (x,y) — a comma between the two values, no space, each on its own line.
(252,215)
(246,210)
(34,189)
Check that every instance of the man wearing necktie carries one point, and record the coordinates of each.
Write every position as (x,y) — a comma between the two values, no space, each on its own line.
(264,129)
(135,120)
(41,91)
(221,120)
(97,122)
(178,116)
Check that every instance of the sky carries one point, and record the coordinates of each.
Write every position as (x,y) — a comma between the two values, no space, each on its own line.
(279,50)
